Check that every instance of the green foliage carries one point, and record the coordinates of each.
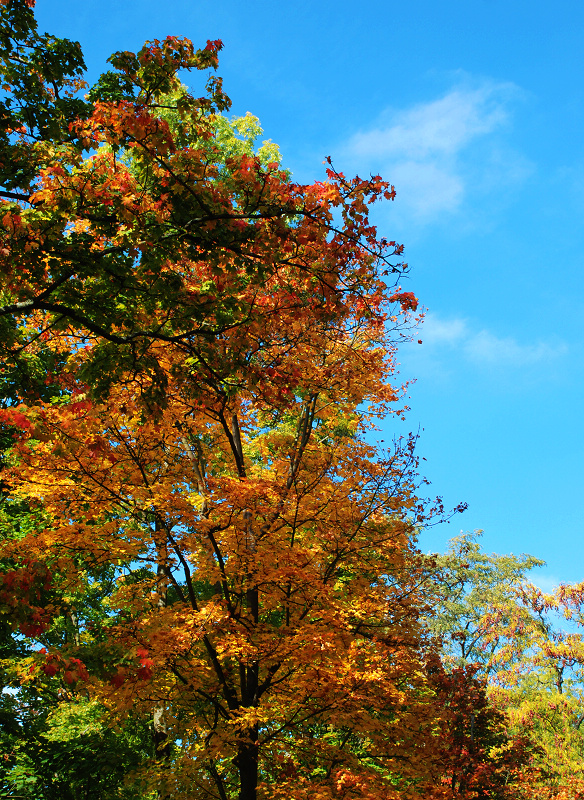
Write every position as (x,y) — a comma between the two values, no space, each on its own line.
(59,748)
(41,78)
(476,600)
(525,644)
(238,136)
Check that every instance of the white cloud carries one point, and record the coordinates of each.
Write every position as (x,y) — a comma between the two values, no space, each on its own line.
(482,347)
(441,127)
(436,152)
(440,331)
(426,187)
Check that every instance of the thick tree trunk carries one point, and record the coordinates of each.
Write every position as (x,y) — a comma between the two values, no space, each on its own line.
(247,764)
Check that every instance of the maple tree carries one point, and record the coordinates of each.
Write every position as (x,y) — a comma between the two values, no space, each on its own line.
(252,625)
(217,340)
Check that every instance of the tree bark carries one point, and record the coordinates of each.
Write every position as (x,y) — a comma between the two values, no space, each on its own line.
(159,725)
(247,764)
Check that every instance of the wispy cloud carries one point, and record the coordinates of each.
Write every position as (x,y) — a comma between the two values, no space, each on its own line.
(455,343)
(483,346)
(435,152)
(441,127)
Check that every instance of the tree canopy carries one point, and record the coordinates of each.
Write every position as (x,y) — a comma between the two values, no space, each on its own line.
(205,343)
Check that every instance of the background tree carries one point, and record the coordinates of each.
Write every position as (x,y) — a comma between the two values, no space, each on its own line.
(54,743)
(527,645)
(476,603)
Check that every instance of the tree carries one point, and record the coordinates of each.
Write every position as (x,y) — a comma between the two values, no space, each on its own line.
(543,688)
(480,757)
(476,602)
(219,340)
(526,643)
(55,744)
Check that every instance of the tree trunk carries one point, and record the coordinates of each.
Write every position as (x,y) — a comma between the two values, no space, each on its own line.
(161,747)
(160,728)
(247,764)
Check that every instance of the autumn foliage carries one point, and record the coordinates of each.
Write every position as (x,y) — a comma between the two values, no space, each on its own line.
(199,540)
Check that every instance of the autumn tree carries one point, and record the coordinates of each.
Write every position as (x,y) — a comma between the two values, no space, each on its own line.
(479,756)
(476,602)
(543,684)
(527,645)
(218,340)
(135,224)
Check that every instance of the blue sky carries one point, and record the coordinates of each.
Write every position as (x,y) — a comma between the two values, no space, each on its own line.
(475,111)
